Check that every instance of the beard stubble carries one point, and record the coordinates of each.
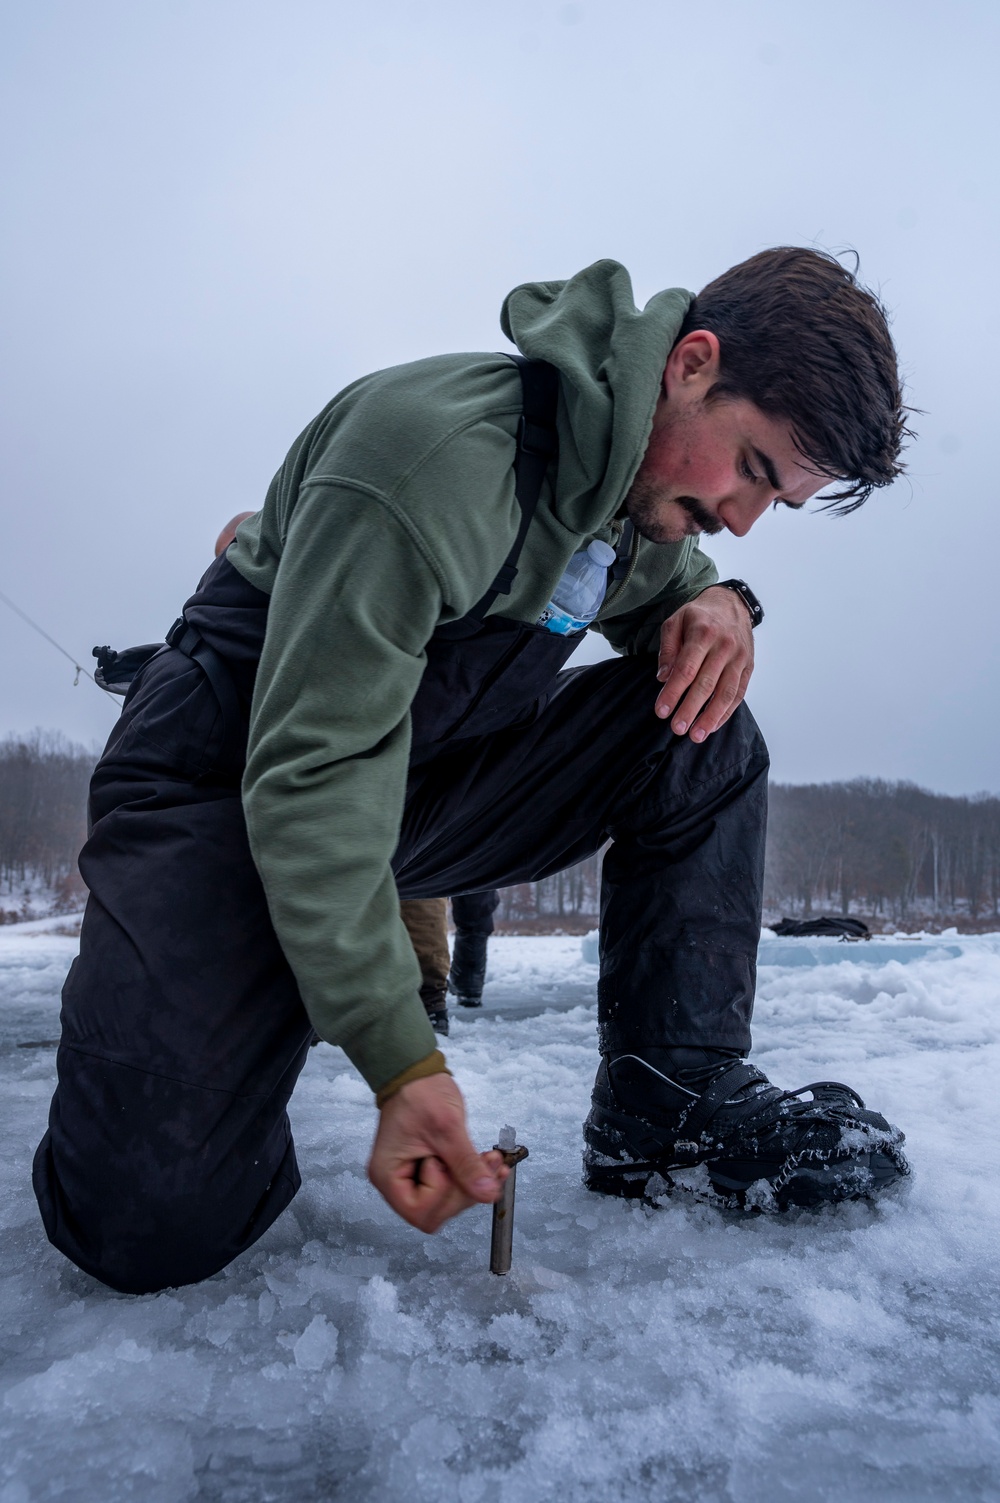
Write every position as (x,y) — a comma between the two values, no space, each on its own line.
(645,505)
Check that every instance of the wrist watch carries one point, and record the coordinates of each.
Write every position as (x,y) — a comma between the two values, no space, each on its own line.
(743,590)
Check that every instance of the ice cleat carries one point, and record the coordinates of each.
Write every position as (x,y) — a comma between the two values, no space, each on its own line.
(761,1148)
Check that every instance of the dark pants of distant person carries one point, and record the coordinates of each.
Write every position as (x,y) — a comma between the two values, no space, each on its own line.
(169,1150)
(473,914)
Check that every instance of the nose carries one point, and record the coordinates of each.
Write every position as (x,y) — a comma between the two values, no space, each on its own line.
(738,516)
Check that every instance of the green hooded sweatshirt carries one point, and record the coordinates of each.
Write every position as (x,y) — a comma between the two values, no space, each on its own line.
(392,513)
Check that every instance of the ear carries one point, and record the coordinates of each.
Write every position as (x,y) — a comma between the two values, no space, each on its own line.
(693,362)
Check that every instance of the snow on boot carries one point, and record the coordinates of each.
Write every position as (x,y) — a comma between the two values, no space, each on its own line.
(762,1148)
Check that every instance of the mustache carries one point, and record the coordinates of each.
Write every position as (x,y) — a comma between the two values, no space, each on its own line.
(703,519)
(645,502)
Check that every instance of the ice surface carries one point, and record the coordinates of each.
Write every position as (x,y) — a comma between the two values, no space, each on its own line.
(671,1355)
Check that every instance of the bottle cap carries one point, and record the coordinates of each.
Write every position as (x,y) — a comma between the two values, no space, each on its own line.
(601,553)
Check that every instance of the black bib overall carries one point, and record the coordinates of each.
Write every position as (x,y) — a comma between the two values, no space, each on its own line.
(169,1150)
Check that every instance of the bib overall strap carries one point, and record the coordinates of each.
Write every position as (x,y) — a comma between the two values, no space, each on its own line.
(537,444)
(188,640)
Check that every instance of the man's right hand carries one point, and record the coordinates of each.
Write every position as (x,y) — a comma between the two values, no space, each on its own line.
(423,1162)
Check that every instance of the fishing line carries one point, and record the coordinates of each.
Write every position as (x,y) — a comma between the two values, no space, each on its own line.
(52,641)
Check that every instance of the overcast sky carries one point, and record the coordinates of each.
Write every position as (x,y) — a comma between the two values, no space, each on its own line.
(219,212)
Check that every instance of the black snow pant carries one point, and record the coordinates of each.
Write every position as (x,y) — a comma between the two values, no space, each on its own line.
(473,914)
(169,1150)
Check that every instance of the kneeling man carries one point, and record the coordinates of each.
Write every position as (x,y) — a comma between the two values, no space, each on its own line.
(363,702)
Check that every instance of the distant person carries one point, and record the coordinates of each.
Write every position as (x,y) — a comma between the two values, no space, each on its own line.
(463,972)
(426,921)
(473,915)
(363,702)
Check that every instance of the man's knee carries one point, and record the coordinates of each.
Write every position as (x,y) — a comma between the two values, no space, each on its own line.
(735,755)
(624,691)
(146,1183)
(680,787)
(742,735)
(139,1241)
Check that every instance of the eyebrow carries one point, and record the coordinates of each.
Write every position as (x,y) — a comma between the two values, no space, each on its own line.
(767,465)
(768,468)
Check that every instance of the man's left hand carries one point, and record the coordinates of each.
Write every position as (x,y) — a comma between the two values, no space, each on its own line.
(705,663)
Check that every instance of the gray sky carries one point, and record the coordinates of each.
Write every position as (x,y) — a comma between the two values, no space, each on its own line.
(221,211)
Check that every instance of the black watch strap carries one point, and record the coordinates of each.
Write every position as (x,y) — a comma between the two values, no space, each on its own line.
(743,590)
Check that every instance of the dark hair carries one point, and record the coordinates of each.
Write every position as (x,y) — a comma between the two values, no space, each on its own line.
(804,341)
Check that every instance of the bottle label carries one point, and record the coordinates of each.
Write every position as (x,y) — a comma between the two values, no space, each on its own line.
(553,619)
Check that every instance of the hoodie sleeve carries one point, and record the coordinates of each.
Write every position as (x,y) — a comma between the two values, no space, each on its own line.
(356,596)
(636,630)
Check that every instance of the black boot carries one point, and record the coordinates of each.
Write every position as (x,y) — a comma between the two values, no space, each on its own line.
(468,968)
(466,1001)
(661,1112)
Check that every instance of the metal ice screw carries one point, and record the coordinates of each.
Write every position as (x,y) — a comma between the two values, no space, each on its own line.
(503,1209)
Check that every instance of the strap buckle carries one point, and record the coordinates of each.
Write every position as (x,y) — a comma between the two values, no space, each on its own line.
(532,438)
(176,632)
(505,579)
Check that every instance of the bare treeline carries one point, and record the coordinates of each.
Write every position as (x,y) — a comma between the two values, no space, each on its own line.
(43,806)
(886,849)
(574,894)
(889,850)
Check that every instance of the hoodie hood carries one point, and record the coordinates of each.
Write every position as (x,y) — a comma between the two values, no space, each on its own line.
(611,356)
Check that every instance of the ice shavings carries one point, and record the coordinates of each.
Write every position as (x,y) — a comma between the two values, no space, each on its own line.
(677,1353)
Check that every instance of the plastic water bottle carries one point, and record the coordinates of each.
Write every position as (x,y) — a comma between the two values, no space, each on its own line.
(578,596)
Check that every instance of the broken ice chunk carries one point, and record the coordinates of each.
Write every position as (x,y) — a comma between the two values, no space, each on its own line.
(507,1139)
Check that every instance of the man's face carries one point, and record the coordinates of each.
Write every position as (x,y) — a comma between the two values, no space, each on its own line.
(710,465)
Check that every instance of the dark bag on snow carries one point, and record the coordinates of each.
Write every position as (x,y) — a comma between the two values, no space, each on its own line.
(823,926)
